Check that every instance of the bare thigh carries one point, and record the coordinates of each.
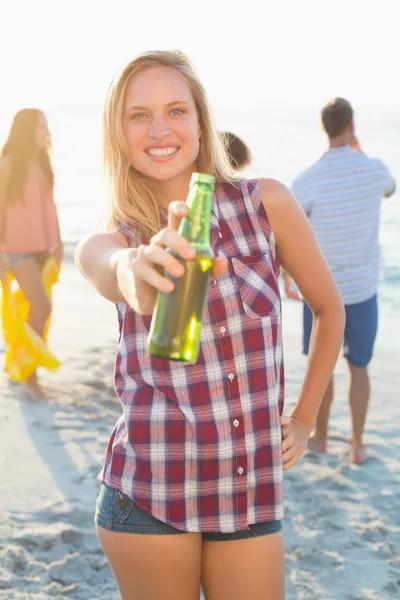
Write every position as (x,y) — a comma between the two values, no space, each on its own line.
(29,279)
(154,567)
(243,569)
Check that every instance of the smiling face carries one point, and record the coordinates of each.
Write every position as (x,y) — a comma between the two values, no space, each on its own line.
(160,124)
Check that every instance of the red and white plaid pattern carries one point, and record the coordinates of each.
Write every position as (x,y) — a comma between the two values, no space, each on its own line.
(199,446)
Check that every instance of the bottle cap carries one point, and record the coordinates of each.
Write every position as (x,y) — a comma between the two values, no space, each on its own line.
(202,178)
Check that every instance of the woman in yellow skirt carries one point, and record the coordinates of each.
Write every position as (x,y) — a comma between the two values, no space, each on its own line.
(30,248)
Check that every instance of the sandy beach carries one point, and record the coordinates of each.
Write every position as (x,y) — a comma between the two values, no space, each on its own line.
(342,521)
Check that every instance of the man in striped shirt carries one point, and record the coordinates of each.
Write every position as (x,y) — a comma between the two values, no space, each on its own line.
(341,195)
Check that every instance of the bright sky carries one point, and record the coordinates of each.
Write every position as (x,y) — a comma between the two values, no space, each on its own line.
(249,54)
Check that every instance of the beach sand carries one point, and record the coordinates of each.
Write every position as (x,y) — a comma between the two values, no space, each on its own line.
(342,522)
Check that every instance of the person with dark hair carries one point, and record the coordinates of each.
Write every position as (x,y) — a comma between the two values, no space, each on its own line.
(337,117)
(29,228)
(239,154)
(341,195)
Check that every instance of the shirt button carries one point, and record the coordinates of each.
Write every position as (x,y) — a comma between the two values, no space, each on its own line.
(231,376)
(240,470)
(236,423)
(222,329)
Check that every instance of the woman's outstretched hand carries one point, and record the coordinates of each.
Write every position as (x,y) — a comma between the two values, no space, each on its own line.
(139,271)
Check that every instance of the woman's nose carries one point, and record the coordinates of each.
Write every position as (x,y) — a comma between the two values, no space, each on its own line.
(159,128)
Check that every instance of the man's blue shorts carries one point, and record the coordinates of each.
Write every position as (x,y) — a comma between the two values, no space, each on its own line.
(359,333)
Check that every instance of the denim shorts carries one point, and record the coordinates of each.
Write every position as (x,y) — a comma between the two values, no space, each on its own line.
(359,334)
(115,511)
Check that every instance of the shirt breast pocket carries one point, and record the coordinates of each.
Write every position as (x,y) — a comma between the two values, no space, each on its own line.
(258,285)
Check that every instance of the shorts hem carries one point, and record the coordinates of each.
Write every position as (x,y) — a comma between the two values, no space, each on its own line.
(115,511)
(361,364)
(260,530)
(139,529)
(207,536)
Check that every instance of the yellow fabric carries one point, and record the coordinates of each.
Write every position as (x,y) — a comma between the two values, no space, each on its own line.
(26,350)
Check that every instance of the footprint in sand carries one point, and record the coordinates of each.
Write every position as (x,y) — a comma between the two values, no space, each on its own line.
(14,558)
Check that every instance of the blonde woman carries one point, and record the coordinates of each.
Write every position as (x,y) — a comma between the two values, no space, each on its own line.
(191,490)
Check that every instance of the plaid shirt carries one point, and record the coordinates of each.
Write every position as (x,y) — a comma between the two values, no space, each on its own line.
(199,446)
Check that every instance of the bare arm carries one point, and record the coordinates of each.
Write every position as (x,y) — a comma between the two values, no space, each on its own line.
(301,258)
(133,275)
(96,257)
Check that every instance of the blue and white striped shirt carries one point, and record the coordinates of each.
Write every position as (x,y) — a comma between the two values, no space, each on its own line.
(341,195)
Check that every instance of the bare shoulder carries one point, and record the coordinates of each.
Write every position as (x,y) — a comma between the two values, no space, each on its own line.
(274,194)
(279,203)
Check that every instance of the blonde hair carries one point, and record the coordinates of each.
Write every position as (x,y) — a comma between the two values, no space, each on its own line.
(131,200)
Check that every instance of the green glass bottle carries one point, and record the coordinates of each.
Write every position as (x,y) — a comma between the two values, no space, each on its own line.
(177,317)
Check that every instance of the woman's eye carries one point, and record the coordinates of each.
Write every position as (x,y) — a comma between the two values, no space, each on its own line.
(177,111)
(138,116)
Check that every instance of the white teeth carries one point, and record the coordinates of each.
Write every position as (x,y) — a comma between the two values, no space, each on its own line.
(161,151)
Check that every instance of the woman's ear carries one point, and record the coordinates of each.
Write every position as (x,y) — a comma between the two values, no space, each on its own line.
(199,131)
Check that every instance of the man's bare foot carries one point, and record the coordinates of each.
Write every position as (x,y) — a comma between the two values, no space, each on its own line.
(34,390)
(318,445)
(360,455)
